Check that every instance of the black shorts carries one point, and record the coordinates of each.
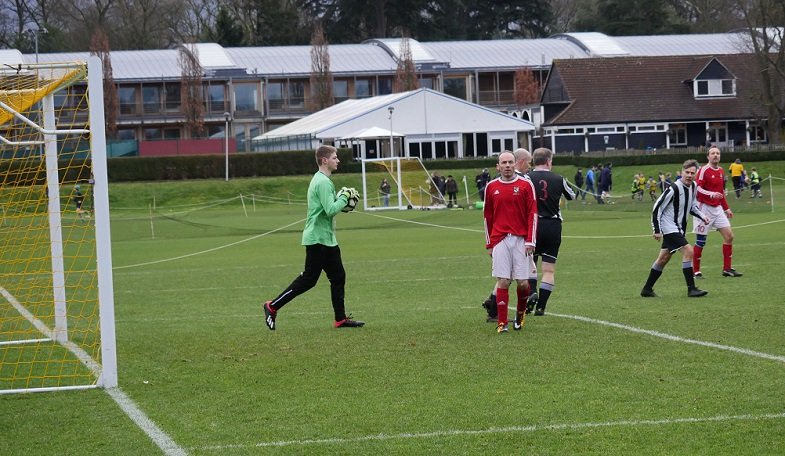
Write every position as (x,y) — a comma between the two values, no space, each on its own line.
(673,242)
(548,239)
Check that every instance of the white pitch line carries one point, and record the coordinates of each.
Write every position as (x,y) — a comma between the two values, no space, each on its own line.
(220,247)
(496,430)
(671,337)
(159,437)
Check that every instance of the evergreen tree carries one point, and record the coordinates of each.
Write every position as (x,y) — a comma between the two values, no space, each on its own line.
(226,32)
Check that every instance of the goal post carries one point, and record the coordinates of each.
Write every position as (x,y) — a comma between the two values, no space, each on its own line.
(56,292)
(410,184)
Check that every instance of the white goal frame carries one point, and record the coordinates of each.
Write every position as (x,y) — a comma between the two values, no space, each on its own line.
(105,372)
(404,201)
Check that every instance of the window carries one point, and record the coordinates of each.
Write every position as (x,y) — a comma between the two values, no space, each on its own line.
(678,134)
(215,99)
(384,87)
(172,94)
(296,94)
(455,87)
(340,91)
(151,99)
(275,95)
(152,134)
(426,83)
(715,88)
(126,134)
(757,134)
(171,133)
(362,88)
(246,98)
(127,100)
(414,149)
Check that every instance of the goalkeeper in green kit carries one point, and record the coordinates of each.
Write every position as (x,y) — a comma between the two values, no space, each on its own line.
(321,248)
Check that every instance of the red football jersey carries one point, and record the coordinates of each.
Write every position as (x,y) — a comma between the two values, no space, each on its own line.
(510,208)
(711,180)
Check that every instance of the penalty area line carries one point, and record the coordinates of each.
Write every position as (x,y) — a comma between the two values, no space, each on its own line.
(496,430)
(673,338)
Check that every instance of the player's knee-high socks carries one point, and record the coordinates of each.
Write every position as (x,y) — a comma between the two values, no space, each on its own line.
(502,299)
(697,252)
(523,294)
(686,268)
(654,273)
(545,292)
(727,254)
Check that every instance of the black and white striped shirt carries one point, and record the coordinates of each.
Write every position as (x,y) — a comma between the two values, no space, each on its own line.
(672,208)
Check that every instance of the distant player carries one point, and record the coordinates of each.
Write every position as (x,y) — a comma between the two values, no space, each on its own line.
(712,202)
(78,199)
(510,216)
(669,223)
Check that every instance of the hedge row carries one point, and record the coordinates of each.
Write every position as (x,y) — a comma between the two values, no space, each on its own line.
(303,162)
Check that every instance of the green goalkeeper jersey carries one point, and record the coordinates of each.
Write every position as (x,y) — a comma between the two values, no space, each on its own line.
(323,205)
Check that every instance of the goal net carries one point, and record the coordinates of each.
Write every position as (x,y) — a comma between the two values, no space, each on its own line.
(410,182)
(56,300)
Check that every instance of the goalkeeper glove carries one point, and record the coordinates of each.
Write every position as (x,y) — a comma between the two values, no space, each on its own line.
(352,198)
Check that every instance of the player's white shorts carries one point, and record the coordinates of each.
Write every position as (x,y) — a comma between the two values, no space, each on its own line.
(510,260)
(717,219)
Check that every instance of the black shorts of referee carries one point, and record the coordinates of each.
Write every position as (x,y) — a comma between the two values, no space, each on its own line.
(548,239)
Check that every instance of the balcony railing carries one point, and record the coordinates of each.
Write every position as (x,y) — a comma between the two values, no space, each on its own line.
(497,97)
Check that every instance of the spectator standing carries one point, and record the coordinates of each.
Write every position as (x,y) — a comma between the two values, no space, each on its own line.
(590,177)
(384,189)
(755,184)
(606,182)
(579,183)
(451,186)
(736,170)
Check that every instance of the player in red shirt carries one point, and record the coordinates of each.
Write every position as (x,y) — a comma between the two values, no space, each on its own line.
(711,201)
(510,214)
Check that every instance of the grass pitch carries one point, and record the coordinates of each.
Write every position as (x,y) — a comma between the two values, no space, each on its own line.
(605,372)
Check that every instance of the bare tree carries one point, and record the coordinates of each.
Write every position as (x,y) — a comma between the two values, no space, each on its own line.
(321,77)
(526,89)
(191,91)
(763,20)
(405,73)
(99,46)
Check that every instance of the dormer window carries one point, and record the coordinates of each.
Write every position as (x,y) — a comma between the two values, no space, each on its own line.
(714,88)
(714,81)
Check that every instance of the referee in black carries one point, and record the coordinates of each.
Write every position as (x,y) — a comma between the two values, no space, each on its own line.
(549,187)
(669,223)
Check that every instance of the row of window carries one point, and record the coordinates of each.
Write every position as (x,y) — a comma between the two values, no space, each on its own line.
(244,97)
(677,132)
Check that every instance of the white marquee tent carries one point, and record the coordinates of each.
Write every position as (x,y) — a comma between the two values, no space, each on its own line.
(431,124)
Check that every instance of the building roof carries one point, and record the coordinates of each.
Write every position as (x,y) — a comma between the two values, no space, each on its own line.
(379,56)
(503,54)
(415,113)
(296,60)
(594,44)
(640,89)
(663,45)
